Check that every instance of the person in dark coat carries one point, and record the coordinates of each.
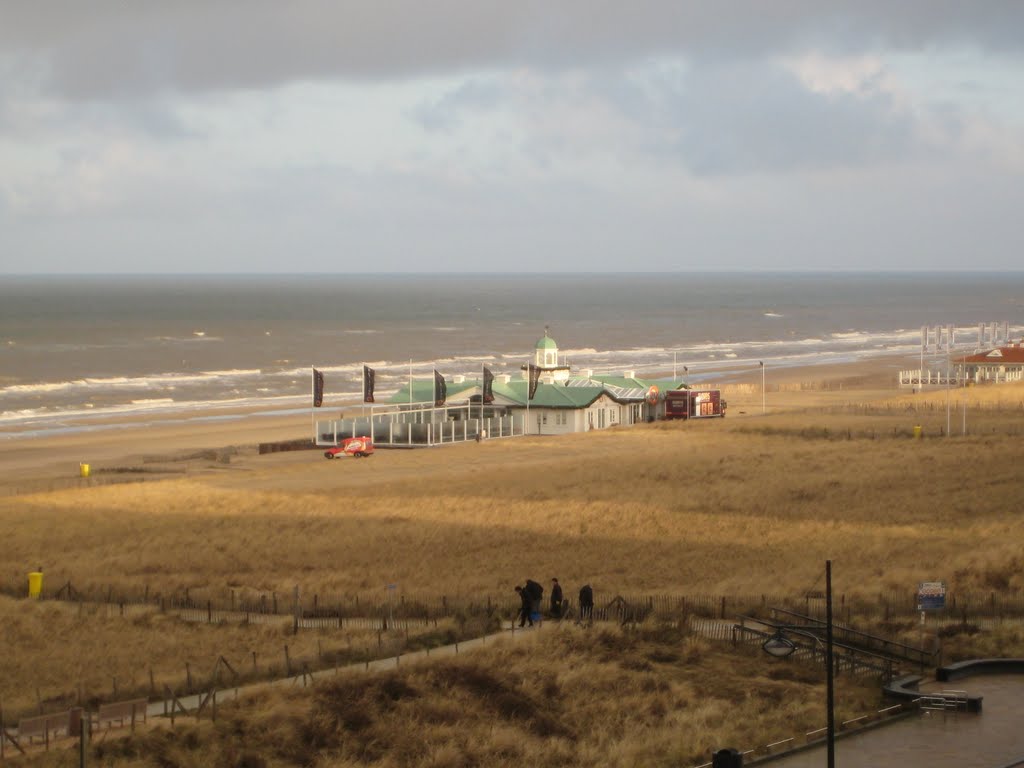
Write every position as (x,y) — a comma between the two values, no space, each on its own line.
(526,608)
(556,599)
(586,604)
(536,593)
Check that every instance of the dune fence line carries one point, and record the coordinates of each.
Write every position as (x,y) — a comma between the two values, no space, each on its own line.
(325,609)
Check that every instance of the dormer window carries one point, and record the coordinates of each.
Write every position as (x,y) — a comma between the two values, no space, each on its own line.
(995,353)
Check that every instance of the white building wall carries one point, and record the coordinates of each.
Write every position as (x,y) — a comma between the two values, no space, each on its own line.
(603,413)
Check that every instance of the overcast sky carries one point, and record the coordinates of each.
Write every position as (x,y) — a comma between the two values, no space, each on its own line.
(456,135)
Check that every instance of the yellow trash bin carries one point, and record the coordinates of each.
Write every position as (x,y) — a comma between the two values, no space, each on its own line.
(917,433)
(83,470)
(35,584)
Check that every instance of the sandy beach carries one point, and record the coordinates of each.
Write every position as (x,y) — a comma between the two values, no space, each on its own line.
(183,443)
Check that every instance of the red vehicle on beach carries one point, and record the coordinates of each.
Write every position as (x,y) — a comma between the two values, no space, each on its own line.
(356,447)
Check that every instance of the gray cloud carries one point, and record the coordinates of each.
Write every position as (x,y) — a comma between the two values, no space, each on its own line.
(760,118)
(106,49)
(471,96)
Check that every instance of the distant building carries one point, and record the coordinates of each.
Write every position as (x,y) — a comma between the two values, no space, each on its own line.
(995,365)
(562,403)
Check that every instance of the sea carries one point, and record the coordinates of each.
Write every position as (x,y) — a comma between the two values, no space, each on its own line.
(78,350)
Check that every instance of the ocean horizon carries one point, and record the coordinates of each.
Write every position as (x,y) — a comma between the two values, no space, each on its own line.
(77,346)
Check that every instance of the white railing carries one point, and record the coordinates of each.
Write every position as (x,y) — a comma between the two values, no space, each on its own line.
(918,378)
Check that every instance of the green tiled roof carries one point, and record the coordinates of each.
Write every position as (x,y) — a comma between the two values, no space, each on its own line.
(549,395)
(423,391)
(578,395)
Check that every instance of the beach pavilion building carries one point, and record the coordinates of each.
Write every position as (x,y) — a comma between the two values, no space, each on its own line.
(562,403)
(994,365)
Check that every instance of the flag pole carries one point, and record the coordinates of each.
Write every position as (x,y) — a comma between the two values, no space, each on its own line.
(312,399)
(526,426)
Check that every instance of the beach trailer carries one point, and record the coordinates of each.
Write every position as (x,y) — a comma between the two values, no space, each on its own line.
(694,404)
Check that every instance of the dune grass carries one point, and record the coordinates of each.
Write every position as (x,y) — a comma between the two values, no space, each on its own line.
(604,697)
(727,506)
(58,655)
(700,507)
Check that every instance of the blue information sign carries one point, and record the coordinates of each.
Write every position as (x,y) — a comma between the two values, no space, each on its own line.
(931,596)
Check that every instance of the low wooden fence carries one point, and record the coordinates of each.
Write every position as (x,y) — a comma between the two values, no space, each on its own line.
(316,609)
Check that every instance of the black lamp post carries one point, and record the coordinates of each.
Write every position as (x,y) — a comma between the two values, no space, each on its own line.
(780,646)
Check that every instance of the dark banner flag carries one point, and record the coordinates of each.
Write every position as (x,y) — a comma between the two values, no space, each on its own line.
(440,390)
(488,392)
(534,380)
(369,375)
(318,388)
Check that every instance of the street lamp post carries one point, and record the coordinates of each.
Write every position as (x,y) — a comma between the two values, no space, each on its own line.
(761,363)
(830,678)
(780,646)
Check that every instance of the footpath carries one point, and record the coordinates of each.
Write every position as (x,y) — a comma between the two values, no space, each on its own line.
(36,733)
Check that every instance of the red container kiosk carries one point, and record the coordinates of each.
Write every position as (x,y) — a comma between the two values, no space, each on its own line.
(694,404)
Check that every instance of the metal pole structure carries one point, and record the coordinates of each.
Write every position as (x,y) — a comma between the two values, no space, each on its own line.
(947,386)
(526,424)
(920,372)
(830,679)
(312,400)
(963,398)
(673,366)
(761,363)
(410,382)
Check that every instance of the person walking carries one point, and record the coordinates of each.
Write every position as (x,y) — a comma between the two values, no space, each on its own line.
(586,604)
(556,599)
(526,607)
(536,593)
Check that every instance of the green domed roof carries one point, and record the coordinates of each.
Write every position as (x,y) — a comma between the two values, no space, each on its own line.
(546,342)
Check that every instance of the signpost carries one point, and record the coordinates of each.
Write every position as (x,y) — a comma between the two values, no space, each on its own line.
(931,596)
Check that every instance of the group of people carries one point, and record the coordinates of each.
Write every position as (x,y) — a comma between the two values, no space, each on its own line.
(531,596)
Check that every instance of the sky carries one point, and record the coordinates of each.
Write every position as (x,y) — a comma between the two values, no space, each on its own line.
(474,136)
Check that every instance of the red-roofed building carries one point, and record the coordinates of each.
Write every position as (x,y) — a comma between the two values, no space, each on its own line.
(1000,364)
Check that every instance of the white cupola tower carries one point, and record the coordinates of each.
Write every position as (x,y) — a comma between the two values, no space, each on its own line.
(545,357)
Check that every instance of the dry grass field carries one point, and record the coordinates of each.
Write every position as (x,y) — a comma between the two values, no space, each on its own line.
(652,697)
(751,504)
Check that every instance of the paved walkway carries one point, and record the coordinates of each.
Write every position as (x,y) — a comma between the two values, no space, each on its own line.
(192,703)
